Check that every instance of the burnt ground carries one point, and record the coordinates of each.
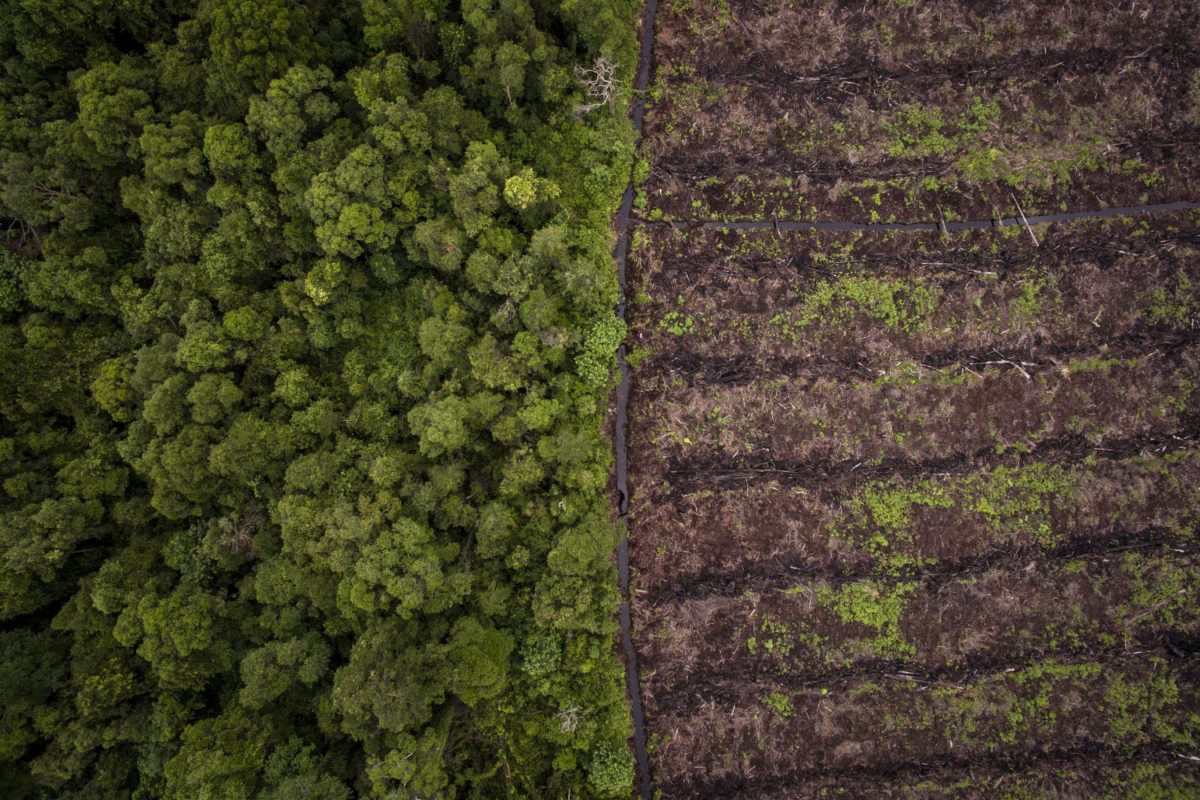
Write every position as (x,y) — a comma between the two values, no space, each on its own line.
(916,515)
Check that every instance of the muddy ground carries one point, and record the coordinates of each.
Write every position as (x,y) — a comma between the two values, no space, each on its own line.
(915,515)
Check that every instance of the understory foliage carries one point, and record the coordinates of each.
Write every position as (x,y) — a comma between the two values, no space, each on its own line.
(306,325)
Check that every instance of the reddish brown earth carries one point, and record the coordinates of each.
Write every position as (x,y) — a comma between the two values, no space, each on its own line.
(1088,289)
(730,746)
(915,516)
(756,531)
(835,110)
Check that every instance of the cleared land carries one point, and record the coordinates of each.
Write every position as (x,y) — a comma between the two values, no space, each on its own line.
(916,516)
(894,111)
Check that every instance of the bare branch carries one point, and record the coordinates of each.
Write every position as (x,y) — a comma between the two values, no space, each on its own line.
(238,532)
(600,83)
(23,239)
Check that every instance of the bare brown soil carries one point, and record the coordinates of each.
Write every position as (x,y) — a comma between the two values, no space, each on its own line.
(915,515)
(1010,612)
(872,728)
(757,530)
(798,40)
(1090,289)
(1070,776)
(847,111)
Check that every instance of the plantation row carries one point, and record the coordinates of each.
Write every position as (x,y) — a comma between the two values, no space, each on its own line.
(764,301)
(823,40)
(806,632)
(771,529)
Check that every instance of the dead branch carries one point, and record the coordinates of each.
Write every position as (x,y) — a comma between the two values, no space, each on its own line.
(238,532)
(600,84)
(1021,211)
(23,239)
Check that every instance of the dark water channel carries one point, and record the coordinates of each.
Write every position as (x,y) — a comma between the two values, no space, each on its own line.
(641,81)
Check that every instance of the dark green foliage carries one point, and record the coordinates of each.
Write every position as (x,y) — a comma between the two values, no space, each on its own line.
(306,318)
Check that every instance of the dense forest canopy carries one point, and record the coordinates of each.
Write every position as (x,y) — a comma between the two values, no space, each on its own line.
(306,325)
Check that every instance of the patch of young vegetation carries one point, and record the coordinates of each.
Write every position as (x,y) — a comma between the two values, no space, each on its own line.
(677,323)
(1176,303)
(1138,711)
(1162,589)
(898,304)
(774,639)
(1018,499)
(875,605)
(920,132)
(879,520)
(1012,502)
(780,703)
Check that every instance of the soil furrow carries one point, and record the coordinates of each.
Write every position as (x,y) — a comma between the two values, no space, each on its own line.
(703,370)
(802,432)
(753,534)
(791,132)
(1045,708)
(811,631)
(693,474)
(1149,147)
(782,224)
(918,202)
(728,686)
(879,319)
(715,255)
(1096,773)
(831,40)
(778,575)
(1047,65)
(759,272)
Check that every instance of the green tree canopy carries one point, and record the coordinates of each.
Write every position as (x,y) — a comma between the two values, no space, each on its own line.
(306,317)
